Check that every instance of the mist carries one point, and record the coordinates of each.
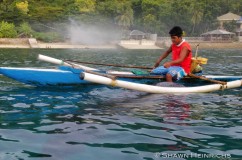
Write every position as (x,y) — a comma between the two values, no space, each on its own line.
(81,33)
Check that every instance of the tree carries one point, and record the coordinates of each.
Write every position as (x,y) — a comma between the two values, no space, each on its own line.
(125,15)
(9,12)
(149,22)
(23,6)
(85,6)
(25,29)
(107,8)
(151,15)
(230,26)
(7,30)
(197,14)
(46,14)
(50,11)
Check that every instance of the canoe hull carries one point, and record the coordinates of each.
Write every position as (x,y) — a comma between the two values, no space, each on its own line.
(43,77)
(64,76)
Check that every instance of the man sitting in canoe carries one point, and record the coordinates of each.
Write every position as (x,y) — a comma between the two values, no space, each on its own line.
(180,64)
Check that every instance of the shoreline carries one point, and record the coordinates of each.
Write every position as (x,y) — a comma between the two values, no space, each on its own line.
(214,45)
(74,46)
(57,46)
(26,43)
(129,47)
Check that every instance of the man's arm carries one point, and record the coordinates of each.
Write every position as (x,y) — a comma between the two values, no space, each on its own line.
(183,55)
(163,56)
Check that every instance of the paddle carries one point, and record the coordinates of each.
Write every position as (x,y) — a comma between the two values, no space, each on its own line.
(206,79)
(60,62)
(115,65)
(84,68)
(196,50)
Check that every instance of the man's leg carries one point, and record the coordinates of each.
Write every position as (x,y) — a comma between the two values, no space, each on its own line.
(168,77)
(175,73)
(159,71)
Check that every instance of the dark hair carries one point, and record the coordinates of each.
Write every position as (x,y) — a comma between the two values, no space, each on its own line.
(176,31)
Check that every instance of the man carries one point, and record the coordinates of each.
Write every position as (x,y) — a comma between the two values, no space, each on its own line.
(180,64)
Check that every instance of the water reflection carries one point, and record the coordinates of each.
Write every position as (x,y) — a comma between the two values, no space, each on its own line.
(166,106)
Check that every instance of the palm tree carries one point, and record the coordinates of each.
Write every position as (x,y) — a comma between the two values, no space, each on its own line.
(125,17)
(197,16)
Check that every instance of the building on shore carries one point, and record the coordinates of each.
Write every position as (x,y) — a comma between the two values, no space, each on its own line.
(136,35)
(218,35)
(229,17)
(239,29)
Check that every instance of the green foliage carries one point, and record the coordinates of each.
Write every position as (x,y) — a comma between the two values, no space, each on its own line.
(156,16)
(124,16)
(25,29)
(47,14)
(230,26)
(10,13)
(48,37)
(7,30)
(149,20)
(23,7)
(85,6)
(108,8)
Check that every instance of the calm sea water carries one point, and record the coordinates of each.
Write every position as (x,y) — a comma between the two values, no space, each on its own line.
(105,123)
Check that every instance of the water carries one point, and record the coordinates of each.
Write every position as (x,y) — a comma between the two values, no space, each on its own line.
(110,123)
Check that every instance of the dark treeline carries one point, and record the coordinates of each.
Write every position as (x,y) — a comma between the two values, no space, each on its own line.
(155,16)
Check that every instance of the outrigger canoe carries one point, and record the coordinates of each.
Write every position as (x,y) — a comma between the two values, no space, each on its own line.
(68,76)
(74,74)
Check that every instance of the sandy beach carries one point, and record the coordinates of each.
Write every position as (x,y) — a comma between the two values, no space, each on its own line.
(33,43)
(59,45)
(75,46)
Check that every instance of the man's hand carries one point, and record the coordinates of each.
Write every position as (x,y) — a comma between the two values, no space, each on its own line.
(167,64)
(156,65)
(163,56)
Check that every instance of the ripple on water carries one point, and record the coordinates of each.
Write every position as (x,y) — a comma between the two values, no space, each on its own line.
(21,105)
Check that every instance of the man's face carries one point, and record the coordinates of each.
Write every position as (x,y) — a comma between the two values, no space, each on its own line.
(176,40)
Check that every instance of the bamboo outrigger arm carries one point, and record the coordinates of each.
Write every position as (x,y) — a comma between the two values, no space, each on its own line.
(157,89)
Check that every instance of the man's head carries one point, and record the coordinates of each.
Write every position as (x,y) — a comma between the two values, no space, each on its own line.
(176,35)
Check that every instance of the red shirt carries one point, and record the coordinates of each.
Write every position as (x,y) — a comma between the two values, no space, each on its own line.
(176,50)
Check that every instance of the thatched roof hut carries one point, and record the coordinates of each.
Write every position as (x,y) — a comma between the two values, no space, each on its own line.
(227,18)
(218,35)
(136,34)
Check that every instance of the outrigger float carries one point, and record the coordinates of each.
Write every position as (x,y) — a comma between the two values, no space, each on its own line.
(70,73)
